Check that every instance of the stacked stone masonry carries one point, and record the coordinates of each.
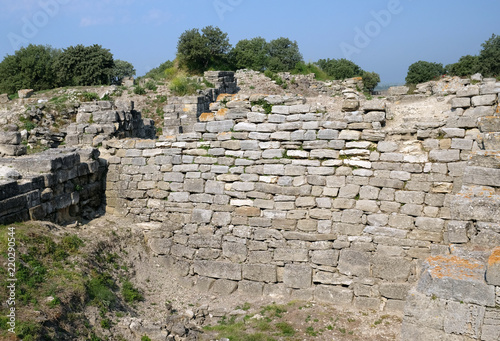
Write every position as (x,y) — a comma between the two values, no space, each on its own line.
(273,195)
(58,185)
(101,120)
(181,113)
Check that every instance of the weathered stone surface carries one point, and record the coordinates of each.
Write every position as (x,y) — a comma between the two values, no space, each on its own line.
(391,268)
(217,269)
(260,272)
(354,263)
(297,276)
(333,295)
(493,268)
(458,279)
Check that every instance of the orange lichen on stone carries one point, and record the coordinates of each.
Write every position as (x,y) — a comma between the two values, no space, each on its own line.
(185,109)
(494,257)
(206,117)
(358,78)
(221,113)
(455,267)
(223,96)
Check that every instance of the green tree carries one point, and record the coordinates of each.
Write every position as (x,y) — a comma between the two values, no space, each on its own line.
(250,54)
(284,54)
(29,68)
(466,66)
(340,68)
(423,71)
(370,80)
(198,52)
(489,57)
(158,73)
(121,70)
(84,65)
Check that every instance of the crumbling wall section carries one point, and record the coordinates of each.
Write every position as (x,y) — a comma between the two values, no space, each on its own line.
(57,185)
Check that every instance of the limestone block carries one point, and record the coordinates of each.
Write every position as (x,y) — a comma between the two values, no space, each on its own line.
(354,263)
(260,272)
(325,257)
(463,319)
(482,176)
(201,216)
(391,268)
(457,279)
(236,252)
(468,91)
(333,295)
(10,137)
(485,100)
(493,269)
(217,269)
(397,291)
(457,231)
(293,255)
(297,276)
(460,102)
(224,287)
(438,155)
(489,124)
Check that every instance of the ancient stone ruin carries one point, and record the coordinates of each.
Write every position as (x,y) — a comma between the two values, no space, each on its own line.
(387,204)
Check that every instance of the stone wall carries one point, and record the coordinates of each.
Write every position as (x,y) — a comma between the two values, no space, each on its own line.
(101,120)
(272,195)
(57,185)
(10,141)
(181,113)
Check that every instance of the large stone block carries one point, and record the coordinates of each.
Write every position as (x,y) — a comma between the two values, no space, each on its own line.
(354,263)
(482,176)
(297,276)
(391,268)
(457,279)
(484,100)
(236,252)
(493,269)
(217,269)
(333,295)
(260,272)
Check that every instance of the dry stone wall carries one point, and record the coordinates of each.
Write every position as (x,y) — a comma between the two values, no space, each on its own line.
(272,195)
(57,185)
(101,120)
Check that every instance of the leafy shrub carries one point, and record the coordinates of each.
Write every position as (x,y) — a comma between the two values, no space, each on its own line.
(131,294)
(100,290)
(138,90)
(182,86)
(88,97)
(150,85)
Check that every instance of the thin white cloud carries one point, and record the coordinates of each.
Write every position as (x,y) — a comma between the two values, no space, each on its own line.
(156,16)
(96,21)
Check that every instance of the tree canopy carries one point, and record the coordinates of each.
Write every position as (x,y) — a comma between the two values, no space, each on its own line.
(250,54)
(423,71)
(340,68)
(41,67)
(28,68)
(284,54)
(489,57)
(84,65)
(198,52)
(121,70)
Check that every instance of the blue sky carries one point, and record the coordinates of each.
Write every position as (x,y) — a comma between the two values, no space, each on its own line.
(384,36)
